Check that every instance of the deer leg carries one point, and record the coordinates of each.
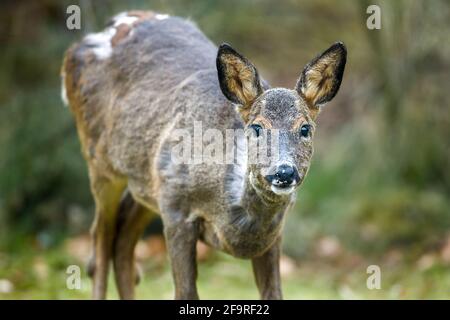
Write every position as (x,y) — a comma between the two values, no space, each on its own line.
(181,239)
(266,269)
(107,196)
(132,220)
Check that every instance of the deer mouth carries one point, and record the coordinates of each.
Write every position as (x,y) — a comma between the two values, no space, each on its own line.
(283,190)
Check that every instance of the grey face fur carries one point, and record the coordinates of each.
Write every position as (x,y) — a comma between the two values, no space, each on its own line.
(286,116)
(281,113)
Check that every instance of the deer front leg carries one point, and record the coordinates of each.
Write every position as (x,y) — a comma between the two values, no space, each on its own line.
(181,239)
(266,269)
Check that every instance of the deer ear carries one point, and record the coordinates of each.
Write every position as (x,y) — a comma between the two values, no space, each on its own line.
(321,78)
(238,78)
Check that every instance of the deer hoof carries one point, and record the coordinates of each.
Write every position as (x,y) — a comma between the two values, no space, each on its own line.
(90,267)
(138,273)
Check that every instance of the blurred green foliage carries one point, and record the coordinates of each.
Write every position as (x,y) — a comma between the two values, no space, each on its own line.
(379,179)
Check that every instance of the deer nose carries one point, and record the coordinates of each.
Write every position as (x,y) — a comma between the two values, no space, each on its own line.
(285,176)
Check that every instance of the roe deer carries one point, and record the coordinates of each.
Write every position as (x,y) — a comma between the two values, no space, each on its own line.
(145,76)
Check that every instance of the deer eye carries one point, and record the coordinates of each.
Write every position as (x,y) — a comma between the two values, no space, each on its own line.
(257,128)
(305,129)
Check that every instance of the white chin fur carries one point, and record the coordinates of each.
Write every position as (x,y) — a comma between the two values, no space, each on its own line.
(282,191)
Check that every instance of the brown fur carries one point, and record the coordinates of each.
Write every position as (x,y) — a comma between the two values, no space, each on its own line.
(266,124)
(240,78)
(320,79)
(122,32)
(298,123)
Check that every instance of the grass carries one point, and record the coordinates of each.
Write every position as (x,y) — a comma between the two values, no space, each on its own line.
(36,274)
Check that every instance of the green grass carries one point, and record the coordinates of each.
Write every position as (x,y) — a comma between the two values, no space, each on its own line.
(42,275)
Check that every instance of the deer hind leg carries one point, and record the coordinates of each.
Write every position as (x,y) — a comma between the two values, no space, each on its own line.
(132,220)
(107,194)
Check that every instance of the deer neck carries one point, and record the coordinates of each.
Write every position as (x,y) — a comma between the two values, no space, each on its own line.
(261,202)
(247,203)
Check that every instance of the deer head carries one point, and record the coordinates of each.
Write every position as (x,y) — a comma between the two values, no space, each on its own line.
(290,113)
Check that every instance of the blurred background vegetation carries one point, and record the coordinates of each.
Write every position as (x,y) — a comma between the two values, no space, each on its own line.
(378,191)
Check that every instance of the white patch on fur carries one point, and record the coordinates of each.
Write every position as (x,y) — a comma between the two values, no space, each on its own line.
(63,89)
(101,42)
(161,16)
(237,184)
(124,18)
(282,191)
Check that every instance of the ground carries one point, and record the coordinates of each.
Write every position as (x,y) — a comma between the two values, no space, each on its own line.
(40,274)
